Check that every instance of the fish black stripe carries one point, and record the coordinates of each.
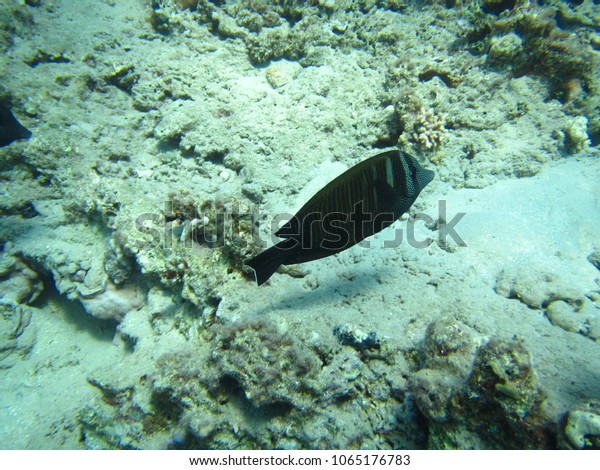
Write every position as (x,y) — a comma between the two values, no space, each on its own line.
(372,177)
(397,169)
(369,199)
(379,176)
(382,170)
(358,192)
(339,197)
(347,196)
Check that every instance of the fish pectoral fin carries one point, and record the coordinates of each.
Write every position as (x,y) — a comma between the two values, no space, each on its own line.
(385,196)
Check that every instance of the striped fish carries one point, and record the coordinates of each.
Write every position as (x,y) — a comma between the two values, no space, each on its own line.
(362,201)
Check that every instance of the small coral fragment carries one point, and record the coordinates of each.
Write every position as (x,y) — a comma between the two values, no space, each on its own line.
(576,137)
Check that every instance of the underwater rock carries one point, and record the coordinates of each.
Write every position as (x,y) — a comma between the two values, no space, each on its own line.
(17,335)
(282,72)
(561,314)
(446,357)
(495,7)
(7,32)
(582,317)
(112,303)
(356,338)
(274,44)
(582,428)
(259,380)
(45,57)
(594,258)
(270,31)
(486,400)
(187,4)
(270,366)
(118,420)
(503,374)
(449,345)
(536,285)
(19,284)
(118,262)
(433,390)
(123,77)
(190,245)
(568,302)
(506,48)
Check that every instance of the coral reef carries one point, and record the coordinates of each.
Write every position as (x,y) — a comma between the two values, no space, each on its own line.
(142,214)
(271,367)
(536,41)
(193,244)
(574,136)
(255,386)
(270,30)
(116,420)
(420,126)
(539,40)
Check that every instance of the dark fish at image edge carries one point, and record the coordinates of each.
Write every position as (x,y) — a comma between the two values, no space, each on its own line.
(360,202)
(10,128)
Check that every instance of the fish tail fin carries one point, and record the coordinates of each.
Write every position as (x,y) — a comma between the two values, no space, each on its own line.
(267,262)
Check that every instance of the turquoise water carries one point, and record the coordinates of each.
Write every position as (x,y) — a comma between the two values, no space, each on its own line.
(171,139)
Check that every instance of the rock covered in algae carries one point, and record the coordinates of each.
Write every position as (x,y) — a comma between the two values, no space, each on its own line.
(120,420)
(503,375)
(506,48)
(433,390)
(485,398)
(253,384)
(445,361)
(269,365)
